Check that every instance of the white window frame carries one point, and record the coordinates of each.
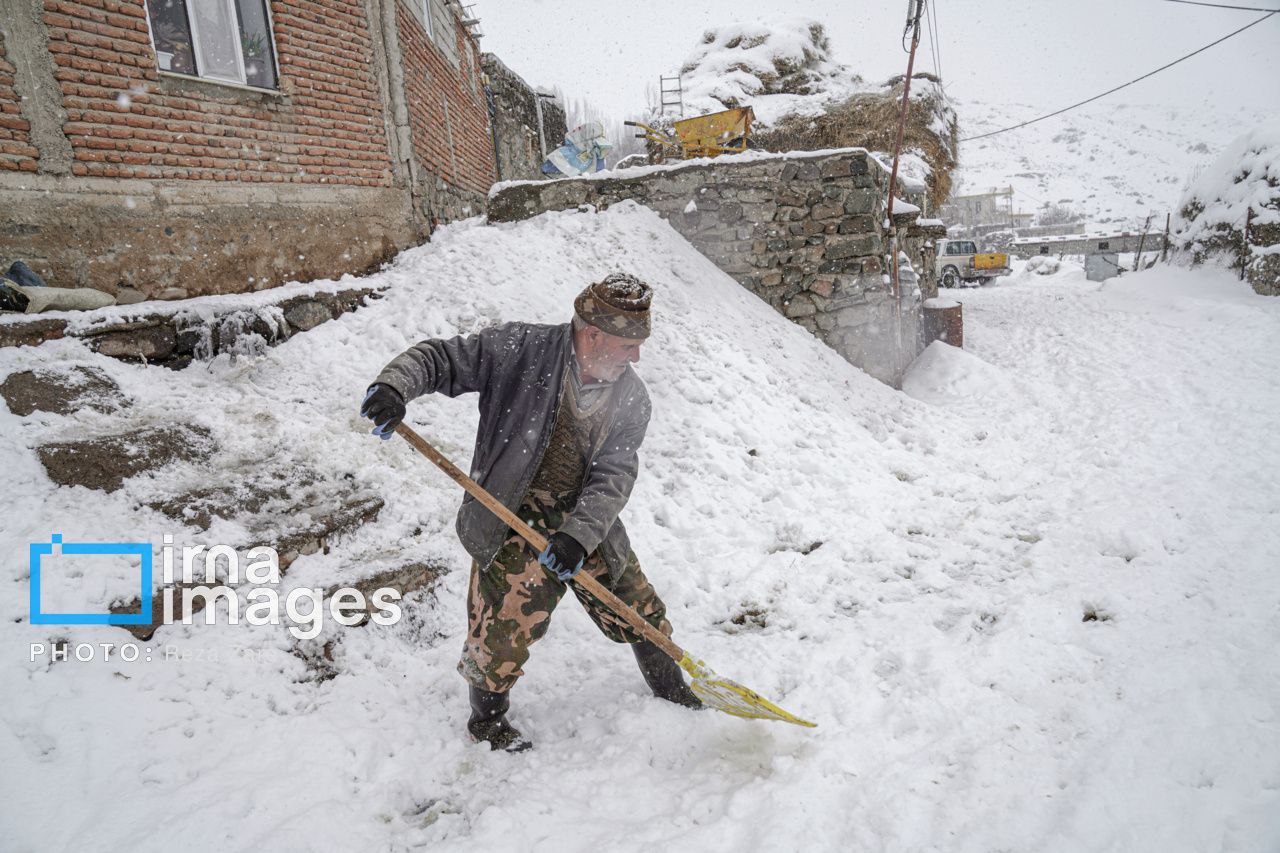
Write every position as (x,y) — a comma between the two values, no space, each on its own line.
(235,40)
(243,79)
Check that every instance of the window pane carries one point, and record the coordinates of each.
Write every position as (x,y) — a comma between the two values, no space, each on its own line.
(217,39)
(172,36)
(255,44)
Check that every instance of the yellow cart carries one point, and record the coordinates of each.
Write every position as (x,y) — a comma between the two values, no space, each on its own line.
(725,132)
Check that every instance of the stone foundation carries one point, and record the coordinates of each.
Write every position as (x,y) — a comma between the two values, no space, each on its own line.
(173,337)
(141,239)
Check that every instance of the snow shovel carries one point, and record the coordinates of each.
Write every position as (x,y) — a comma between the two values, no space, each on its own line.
(715,692)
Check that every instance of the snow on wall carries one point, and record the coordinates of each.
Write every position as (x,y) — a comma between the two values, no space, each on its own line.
(805,233)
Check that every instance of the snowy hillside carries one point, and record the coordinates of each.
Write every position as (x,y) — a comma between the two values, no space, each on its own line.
(1031,604)
(1113,162)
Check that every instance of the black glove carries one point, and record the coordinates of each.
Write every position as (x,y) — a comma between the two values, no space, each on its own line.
(385,407)
(563,556)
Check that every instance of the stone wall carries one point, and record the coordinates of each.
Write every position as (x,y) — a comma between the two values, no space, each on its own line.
(172,335)
(803,231)
(515,122)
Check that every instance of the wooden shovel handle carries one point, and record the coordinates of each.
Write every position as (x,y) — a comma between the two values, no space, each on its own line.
(539,542)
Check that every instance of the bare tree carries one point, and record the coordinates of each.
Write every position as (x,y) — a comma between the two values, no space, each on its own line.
(1059,214)
(580,110)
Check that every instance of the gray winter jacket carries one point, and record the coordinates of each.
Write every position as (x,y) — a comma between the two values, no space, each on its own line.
(518,370)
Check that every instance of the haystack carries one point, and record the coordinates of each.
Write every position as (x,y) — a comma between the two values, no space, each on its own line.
(805,100)
(870,120)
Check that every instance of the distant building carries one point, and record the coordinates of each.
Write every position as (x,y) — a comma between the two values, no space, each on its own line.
(984,210)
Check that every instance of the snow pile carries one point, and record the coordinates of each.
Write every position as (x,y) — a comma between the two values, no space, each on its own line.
(1030,607)
(945,375)
(1043,265)
(777,67)
(1242,184)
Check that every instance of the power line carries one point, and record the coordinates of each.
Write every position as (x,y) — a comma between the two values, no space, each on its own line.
(933,22)
(928,36)
(932,31)
(1223,6)
(1122,85)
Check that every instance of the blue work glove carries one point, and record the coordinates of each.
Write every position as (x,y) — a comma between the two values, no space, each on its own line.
(561,553)
(385,407)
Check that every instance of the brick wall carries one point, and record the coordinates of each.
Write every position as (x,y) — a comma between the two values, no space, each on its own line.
(16,151)
(125,119)
(457,147)
(159,185)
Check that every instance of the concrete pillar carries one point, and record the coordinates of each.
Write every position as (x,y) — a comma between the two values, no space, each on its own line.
(389,70)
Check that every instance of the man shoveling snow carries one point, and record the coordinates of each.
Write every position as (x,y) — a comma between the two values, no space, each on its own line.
(562,416)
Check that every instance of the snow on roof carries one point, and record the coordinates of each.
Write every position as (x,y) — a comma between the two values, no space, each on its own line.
(1067,238)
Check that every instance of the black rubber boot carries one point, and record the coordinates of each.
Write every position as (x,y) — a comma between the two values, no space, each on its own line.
(663,675)
(488,721)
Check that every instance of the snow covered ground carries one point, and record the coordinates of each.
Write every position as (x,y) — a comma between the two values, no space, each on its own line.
(1032,602)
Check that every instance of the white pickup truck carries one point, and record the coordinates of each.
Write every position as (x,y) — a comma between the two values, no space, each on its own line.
(960,263)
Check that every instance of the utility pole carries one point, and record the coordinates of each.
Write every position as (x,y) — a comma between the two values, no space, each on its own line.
(913,26)
(1142,238)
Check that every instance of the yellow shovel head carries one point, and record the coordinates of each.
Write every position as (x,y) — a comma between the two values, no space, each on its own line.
(729,696)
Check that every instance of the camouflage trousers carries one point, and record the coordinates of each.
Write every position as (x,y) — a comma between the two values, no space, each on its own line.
(509,603)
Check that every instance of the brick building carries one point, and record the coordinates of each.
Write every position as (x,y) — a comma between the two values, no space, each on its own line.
(174,147)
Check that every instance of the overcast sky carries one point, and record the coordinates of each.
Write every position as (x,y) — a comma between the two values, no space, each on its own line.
(1043,54)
